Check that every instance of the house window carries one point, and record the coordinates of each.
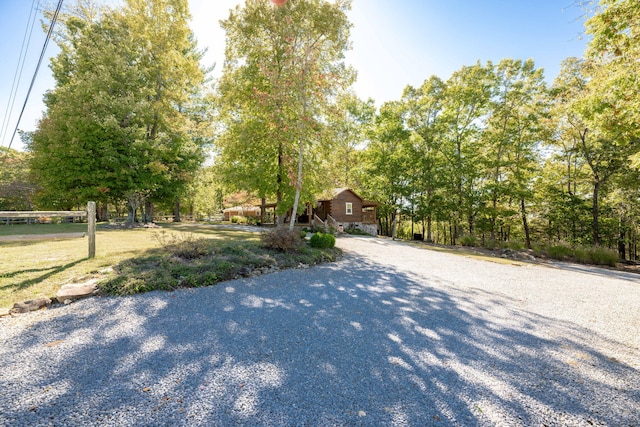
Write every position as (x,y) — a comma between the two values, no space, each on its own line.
(349,208)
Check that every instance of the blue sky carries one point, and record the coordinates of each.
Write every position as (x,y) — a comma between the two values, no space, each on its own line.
(395,43)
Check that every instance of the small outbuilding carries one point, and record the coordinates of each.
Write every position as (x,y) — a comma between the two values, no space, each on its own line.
(241,211)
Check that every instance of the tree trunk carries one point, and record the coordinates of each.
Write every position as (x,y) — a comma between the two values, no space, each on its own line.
(493,220)
(525,224)
(148,212)
(104,212)
(296,199)
(132,209)
(621,239)
(394,228)
(452,232)
(429,238)
(596,225)
(176,212)
(621,246)
(279,217)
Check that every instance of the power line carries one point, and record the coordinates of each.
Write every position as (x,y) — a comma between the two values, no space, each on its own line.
(19,69)
(44,49)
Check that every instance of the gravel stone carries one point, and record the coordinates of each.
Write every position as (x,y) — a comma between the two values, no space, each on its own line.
(391,335)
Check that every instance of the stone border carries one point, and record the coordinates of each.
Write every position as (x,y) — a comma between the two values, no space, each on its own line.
(79,288)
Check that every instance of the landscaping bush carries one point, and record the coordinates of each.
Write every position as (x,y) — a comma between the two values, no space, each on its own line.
(597,256)
(184,246)
(514,245)
(604,256)
(491,244)
(238,219)
(162,269)
(355,231)
(539,250)
(468,240)
(582,256)
(560,252)
(322,241)
(282,239)
(191,249)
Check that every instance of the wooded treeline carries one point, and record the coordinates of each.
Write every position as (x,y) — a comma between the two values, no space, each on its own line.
(127,119)
(495,154)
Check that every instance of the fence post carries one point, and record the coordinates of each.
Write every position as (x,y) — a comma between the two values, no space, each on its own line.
(91,228)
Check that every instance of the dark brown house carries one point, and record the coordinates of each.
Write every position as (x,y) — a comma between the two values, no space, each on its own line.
(344,208)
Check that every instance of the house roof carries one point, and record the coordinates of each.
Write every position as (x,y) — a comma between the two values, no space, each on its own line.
(242,208)
(332,194)
(336,191)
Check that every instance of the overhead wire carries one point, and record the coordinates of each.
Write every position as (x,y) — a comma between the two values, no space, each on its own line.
(19,70)
(35,74)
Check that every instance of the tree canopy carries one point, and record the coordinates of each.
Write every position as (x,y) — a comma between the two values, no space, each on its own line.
(284,68)
(120,123)
(494,152)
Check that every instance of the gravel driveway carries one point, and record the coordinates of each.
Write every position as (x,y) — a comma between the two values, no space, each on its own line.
(390,335)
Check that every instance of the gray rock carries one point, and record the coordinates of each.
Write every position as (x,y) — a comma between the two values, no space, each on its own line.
(74,291)
(31,305)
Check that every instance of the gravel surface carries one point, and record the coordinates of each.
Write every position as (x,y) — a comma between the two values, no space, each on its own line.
(390,335)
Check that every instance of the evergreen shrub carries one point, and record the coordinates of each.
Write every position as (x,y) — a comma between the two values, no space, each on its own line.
(322,241)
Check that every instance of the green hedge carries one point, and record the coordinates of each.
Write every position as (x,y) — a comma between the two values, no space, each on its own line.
(322,240)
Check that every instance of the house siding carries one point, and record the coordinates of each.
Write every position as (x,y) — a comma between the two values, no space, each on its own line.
(338,208)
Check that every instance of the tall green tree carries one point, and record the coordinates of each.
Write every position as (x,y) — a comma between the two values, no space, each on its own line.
(424,107)
(283,70)
(615,47)
(350,119)
(386,164)
(118,124)
(586,111)
(513,130)
(16,187)
(467,96)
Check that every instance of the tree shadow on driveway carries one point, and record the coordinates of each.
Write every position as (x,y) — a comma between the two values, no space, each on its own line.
(345,344)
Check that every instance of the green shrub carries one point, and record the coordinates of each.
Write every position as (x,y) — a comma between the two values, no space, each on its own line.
(182,245)
(539,250)
(238,219)
(355,231)
(597,256)
(560,252)
(163,269)
(515,245)
(192,249)
(490,244)
(282,239)
(322,241)
(582,256)
(468,240)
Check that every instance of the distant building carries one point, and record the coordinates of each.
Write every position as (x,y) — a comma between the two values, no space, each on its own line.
(343,207)
(241,211)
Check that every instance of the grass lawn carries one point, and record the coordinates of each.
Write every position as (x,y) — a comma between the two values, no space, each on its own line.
(34,268)
(24,229)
